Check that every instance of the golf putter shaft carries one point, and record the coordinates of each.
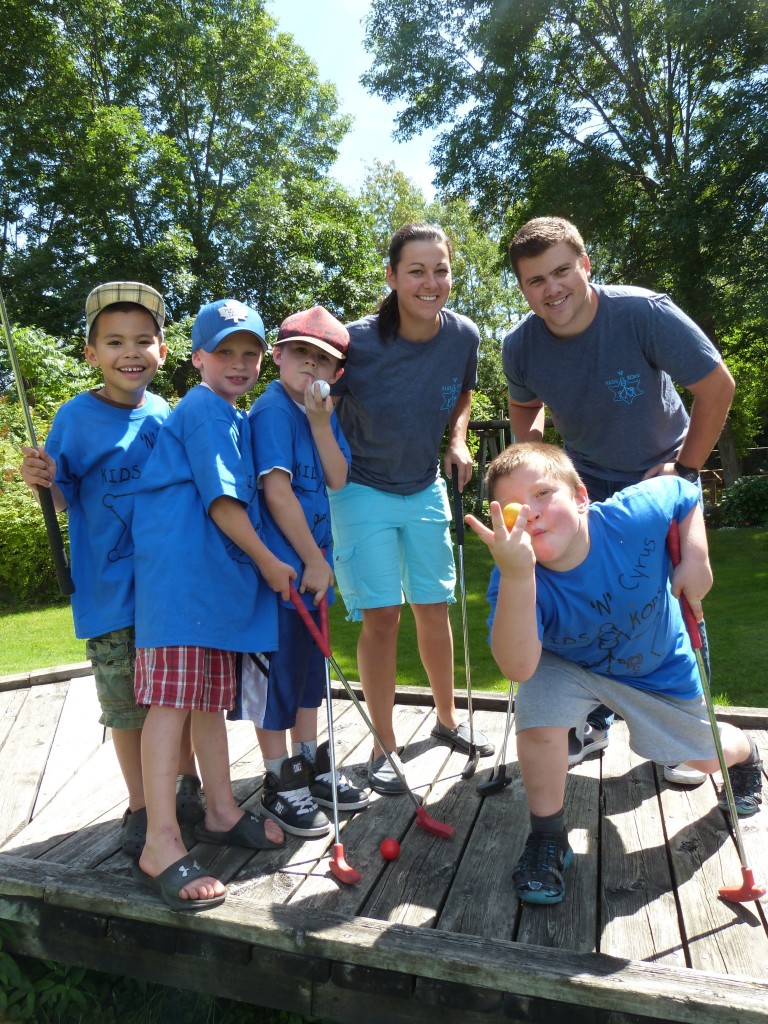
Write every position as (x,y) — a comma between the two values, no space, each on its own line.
(52,528)
(469,768)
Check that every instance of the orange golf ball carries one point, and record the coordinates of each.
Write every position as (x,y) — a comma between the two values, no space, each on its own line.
(390,849)
(510,513)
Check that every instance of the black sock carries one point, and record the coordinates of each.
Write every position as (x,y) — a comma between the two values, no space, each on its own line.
(754,753)
(553,824)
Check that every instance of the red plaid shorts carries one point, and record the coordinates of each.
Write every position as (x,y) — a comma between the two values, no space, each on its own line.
(188,678)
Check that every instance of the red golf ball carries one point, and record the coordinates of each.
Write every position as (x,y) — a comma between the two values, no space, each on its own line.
(390,849)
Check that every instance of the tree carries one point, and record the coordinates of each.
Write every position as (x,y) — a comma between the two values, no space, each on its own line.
(188,145)
(483,286)
(644,121)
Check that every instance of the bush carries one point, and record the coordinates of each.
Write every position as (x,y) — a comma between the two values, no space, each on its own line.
(27,575)
(743,504)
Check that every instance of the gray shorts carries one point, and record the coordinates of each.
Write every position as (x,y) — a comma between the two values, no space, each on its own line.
(113,657)
(664,729)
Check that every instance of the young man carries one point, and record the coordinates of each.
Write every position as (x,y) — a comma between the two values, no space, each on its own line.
(605,359)
(93,460)
(584,612)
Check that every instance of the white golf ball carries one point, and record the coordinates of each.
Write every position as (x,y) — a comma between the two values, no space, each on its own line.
(321,388)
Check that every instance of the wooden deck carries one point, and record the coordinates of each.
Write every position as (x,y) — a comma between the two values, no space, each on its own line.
(436,934)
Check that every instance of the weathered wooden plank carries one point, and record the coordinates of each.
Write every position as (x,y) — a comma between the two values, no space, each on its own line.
(414,887)
(571,924)
(78,736)
(95,792)
(24,754)
(11,702)
(481,900)
(720,936)
(639,913)
(586,979)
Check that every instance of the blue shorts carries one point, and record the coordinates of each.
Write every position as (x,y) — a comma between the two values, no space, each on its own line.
(388,547)
(272,687)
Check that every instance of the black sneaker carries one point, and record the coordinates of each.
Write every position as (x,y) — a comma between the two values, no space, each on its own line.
(348,797)
(578,749)
(538,875)
(747,784)
(287,800)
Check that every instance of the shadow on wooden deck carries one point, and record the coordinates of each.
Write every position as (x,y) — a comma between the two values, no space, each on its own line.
(436,933)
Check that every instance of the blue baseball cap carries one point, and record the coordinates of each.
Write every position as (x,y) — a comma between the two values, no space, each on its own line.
(218,319)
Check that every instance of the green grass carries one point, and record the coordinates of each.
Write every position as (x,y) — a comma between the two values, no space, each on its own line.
(39,638)
(735,612)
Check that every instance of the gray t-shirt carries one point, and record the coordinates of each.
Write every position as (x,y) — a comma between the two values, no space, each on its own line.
(397,396)
(610,389)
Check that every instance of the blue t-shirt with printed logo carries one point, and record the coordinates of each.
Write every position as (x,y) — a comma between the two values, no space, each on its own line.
(615,614)
(194,586)
(282,439)
(396,398)
(100,450)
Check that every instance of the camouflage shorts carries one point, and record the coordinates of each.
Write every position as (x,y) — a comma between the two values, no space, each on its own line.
(113,656)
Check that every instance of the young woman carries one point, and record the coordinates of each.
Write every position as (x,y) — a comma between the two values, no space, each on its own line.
(409,374)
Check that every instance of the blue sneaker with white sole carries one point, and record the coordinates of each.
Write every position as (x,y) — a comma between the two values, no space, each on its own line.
(538,875)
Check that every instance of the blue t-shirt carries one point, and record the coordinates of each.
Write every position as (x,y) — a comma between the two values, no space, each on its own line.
(100,451)
(194,586)
(397,397)
(282,439)
(615,614)
(610,389)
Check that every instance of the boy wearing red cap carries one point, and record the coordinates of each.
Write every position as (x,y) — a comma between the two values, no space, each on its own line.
(300,451)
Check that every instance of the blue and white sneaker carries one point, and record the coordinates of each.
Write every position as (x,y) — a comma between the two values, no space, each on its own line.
(538,875)
(747,784)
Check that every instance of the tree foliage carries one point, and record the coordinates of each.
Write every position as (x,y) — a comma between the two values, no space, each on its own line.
(644,121)
(186,143)
(483,286)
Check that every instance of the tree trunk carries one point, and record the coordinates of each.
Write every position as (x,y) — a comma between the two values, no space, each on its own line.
(729,457)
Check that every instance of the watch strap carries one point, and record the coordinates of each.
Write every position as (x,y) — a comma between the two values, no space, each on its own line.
(687,472)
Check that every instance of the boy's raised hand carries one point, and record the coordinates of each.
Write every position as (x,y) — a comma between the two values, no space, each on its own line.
(511,548)
(318,409)
(37,469)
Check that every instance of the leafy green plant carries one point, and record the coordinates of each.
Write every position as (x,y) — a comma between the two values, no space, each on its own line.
(743,504)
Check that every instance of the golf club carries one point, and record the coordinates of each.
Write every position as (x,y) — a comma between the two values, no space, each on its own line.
(498,778)
(338,864)
(322,639)
(55,542)
(458,517)
(749,889)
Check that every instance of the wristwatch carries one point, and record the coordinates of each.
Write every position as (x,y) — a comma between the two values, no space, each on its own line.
(691,475)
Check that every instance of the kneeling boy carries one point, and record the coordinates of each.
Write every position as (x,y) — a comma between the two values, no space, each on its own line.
(584,612)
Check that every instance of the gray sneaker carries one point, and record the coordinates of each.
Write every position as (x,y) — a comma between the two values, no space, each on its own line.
(382,776)
(683,775)
(578,749)
(458,738)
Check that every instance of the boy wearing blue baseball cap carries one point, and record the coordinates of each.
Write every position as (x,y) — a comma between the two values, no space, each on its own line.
(205,590)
